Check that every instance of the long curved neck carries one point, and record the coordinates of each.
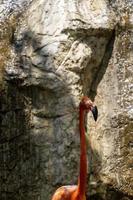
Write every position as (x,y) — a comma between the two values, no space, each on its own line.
(83,158)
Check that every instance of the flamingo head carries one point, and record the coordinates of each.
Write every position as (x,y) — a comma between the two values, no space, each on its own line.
(87,105)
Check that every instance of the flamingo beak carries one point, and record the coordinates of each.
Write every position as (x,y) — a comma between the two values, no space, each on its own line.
(94,111)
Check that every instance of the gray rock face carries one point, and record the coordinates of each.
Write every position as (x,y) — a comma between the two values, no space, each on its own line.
(59,51)
(9,7)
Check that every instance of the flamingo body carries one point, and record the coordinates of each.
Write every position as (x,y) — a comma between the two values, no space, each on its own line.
(69,192)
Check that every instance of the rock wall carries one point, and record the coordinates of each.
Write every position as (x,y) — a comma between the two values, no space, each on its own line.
(60,50)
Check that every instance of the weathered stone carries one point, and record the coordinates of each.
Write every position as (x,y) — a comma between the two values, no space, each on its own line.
(60,50)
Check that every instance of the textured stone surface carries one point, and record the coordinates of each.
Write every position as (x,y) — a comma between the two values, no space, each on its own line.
(9,7)
(112,136)
(60,50)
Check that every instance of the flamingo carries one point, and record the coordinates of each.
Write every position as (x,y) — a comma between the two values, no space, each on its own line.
(77,192)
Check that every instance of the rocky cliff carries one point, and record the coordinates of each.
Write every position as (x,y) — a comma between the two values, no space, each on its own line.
(52,53)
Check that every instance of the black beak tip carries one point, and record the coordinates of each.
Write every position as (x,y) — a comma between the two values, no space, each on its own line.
(95,112)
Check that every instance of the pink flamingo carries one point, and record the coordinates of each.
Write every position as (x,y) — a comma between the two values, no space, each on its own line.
(77,192)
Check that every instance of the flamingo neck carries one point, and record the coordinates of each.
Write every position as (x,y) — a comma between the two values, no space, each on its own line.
(83,158)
